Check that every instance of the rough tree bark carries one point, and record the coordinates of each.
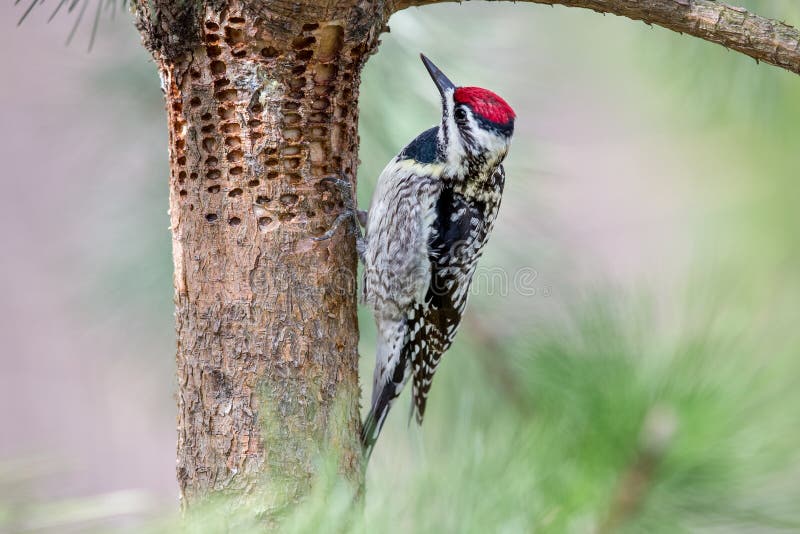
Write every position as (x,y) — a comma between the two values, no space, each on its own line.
(262,105)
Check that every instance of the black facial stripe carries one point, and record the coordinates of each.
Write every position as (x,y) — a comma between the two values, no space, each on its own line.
(506,129)
(464,130)
(445,132)
(466,134)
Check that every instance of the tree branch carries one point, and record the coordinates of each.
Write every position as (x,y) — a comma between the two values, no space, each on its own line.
(763,39)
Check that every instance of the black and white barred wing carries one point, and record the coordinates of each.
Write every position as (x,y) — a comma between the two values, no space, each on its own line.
(433,323)
(432,329)
(455,249)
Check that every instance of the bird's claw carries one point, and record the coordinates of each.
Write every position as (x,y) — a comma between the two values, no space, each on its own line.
(346,214)
(357,217)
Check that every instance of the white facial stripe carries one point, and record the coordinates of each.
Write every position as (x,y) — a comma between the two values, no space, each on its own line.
(455,148)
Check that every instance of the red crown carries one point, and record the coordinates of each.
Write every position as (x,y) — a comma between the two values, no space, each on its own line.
(485,103)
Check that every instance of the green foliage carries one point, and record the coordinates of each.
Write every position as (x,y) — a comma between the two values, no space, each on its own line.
(616,429)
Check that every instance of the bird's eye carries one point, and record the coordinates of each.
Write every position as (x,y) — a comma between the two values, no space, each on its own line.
(460,114)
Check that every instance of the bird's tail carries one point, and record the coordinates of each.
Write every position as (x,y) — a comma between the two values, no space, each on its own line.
(391,374)
(377,416)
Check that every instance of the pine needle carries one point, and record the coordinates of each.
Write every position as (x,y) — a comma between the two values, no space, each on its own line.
(56,10)
(78,20)
(96,23)
(27,11)
(103,6)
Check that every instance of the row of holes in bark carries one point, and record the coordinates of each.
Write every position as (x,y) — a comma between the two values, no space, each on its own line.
(318,114)
(233,193)
(286,200)
(178,129)
(235,37)
(215,174)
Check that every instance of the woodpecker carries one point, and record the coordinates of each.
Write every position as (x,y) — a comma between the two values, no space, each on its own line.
(431,215)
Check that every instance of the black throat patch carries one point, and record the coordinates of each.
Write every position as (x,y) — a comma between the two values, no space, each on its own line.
(423,148)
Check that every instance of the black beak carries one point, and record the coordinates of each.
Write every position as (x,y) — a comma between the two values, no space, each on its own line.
(442,82)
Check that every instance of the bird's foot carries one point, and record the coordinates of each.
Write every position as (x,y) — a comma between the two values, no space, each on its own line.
(357,218)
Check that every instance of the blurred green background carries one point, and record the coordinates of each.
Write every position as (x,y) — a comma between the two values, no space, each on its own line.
(629,361)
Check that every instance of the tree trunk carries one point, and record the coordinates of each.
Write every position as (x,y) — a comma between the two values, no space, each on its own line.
(262,105)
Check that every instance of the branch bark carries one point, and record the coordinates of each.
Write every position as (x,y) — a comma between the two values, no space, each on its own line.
(763,39)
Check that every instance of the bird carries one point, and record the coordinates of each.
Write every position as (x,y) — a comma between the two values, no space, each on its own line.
(431,215)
